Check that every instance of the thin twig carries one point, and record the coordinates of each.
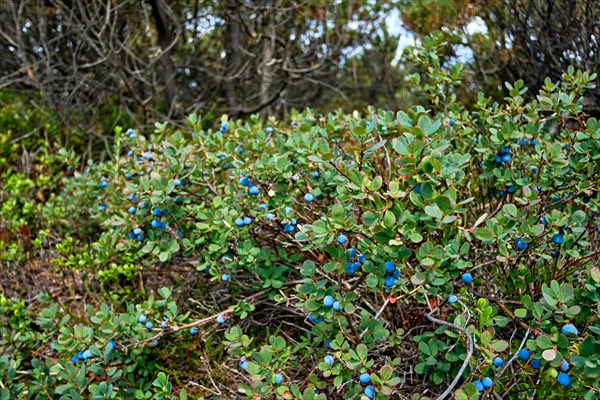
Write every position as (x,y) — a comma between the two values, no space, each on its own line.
(470,349)
(512,359)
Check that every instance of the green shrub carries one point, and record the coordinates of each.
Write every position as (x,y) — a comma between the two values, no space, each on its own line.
(359,229)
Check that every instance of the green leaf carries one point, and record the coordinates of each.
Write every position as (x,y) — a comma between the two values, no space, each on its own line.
(521,312)
(434,211)
(511,210)
(361,351)
(404,119)
(376,183)
(566,293)
(544,342)
(427,126)
(370,218)
(389,219)
(483,234)
(499,346)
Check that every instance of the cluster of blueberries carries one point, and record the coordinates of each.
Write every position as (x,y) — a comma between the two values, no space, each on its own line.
(244,365)
(253,190)
(156,223)
(525,355)
(363,378)
(87,354)
(503,155)
(354,262)
(557,239)
(466,278)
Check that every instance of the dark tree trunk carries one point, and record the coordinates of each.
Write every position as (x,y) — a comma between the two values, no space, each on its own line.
(165,38)
(233,58)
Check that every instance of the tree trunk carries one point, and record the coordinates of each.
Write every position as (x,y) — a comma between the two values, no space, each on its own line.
(233,58)
(266,70)
(165,38)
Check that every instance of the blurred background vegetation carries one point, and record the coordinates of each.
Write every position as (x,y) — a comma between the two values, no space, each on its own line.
(71,71)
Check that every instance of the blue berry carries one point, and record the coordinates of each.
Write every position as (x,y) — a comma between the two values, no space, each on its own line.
(390,267)
(521,245)
(225,277)
(329,360)
(487,382)
(342,239)
(524,354)
(193,330)
(534,142)
(269,129)
(269,216)
(244,365)
(244,181)
(308,197)
(176,182)
(478,385)
(389,282)
(365,377)
(142,318)
(452,299)
(351,269)
(156,224)
(315,174)
(253,190)
(336,306)
(467,277)
(74,359)
(288,228)
(506,158)
(558,238)
(220,319)
(369,392)
(498,362)
(569,328)
(564,366)
(315,320)
(328,301)
(131,210)
(111,344)
(87,354)
(149,325)
(239,222)
(563,379)
(247,220)
(451,121)
(362,258)
(278,379)
(535,363)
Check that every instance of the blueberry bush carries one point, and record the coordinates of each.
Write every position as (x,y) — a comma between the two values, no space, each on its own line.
(443,251)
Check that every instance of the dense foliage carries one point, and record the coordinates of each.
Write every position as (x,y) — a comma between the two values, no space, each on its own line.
(430,252)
